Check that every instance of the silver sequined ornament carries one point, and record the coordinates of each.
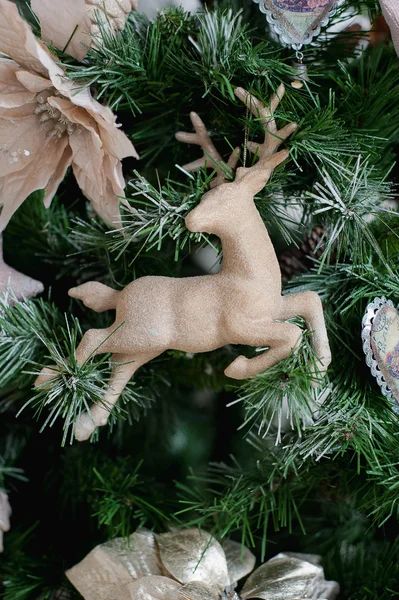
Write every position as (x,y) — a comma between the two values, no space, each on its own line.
(380,335)
(297,22)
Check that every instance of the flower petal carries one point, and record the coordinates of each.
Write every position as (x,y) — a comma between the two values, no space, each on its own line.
(85,142)
(106,205)
(16,99)
(134,4)
(74,113)
(196,590)
(284,578)
(17,40)
(148,588)
(16,186)
(21,141)
(111,565)
(115,141)
(113,172)
(59,174)
(17,112)
(80,96)
(99,176)
(116,8)
(58,21)
(194,555)
(8,81)
(240,560)
(32,82)
(115,190)
(88,156)
(91,121)
(12,92)
(112,14)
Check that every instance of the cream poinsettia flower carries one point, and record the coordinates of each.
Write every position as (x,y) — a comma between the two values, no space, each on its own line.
(192,565)
(46,125)
(73,25)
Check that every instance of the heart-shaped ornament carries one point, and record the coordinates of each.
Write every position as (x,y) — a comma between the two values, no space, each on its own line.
(380,335)
(296,22)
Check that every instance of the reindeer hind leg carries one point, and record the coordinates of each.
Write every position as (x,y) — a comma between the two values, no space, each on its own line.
(308,306)
(282,339)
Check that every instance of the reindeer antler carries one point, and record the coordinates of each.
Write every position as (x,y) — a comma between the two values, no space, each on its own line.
(267,151)
(211,156)
(273,137)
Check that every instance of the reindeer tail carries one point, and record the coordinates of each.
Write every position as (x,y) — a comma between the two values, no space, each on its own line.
(96,296)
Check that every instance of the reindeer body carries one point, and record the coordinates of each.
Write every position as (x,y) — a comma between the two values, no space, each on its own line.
(156,325)
(239,305)
(218,306)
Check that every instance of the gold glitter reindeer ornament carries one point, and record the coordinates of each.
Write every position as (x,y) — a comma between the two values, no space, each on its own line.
(242,304)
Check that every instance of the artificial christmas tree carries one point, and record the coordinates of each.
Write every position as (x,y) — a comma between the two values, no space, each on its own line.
(242,304)
(286,461)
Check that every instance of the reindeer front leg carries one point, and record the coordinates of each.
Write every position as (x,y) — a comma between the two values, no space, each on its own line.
(92,343)
(282,339)
(308,306)
(124,367)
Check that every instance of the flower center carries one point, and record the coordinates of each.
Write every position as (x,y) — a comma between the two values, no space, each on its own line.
(52,121)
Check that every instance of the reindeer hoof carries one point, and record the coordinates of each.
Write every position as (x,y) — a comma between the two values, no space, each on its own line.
(46,376)
(238,368)
(319,370)
(324,359)
(85,427)
(324,364)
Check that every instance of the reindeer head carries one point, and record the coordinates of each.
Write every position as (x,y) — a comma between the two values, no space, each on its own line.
(229,200)
(215,209)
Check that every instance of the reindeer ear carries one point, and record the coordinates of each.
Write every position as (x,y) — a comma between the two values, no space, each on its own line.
(252,180)
(255,178)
